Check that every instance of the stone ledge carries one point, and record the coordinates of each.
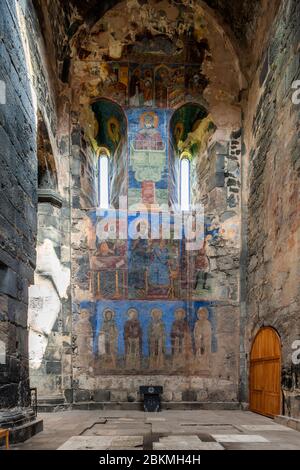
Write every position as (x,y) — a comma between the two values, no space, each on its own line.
(292,423)
(28,430)
(138,406)
(21,423)
(50,196)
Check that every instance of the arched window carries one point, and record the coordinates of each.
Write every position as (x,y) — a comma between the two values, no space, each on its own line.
(185,184)
(103,181)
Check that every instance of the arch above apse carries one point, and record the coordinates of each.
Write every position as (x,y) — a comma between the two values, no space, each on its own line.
(214,12)
(223,12)
(193,46)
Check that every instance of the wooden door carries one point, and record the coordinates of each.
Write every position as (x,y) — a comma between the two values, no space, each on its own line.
(265,371)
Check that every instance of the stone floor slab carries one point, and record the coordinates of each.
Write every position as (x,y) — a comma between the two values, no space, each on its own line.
(59,427)
(102,443)
(239,438)
(265,427)
(185,443)
(153,420)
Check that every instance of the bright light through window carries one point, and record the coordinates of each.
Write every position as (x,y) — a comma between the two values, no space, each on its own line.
(185,184)
(103,182)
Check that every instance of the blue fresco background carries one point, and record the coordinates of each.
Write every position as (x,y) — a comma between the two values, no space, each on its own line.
(120,307)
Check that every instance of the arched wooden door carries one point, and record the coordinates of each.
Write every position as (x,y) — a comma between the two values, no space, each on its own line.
(265,372)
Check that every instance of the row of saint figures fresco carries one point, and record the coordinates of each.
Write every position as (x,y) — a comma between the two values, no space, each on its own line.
(190,348)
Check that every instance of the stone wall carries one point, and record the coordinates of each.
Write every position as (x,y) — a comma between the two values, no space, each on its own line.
(29,88)
(18,202)
(272,140)
(188,105)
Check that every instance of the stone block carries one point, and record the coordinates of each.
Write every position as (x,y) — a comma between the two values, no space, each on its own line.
(177,396)
(8,281)
(101,395)
(53,367)
(69,395)
(189,395)
(217,180)
(118,395)
(82,395)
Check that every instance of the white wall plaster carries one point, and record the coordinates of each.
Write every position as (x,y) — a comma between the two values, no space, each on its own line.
(49,265)
(44,306)
(51,284)
(2,352)
(37,347)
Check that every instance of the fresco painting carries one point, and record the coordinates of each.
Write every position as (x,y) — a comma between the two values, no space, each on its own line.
(148,181)
(115,83)
(195,84)
(107,255)
(135,255)
(141,92)
(153,262)
(153,299)
(147,337)
(111,135)
(165,86)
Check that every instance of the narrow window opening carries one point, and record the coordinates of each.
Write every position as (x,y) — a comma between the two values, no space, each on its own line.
(103,181)
(185,184)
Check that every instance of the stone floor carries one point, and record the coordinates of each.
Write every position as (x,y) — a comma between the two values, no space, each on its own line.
(168,430)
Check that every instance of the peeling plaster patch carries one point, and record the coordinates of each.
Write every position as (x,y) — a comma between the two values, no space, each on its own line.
(44,306)
(49,265)
(230,229)
(43,312)
(51,284)
(2,92)
(2,353)
(38,344)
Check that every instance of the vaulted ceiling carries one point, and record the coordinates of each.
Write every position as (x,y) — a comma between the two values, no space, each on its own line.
(61,20)
(239,15)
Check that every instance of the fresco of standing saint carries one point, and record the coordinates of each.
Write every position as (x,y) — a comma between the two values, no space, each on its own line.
(181,340)
(202,340)
(108,340)
(156,339)
(133,340)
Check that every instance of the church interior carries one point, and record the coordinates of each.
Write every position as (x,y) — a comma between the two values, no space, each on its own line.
(150,224)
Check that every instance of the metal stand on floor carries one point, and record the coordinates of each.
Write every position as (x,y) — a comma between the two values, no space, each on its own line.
(151,397)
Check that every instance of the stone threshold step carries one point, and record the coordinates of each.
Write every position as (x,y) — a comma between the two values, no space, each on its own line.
(138,406)
(288,421)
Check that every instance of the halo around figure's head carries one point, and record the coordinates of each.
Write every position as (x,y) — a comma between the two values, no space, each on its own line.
(148,117)
(156,313)
(180,314)
(202,313)
(108,314)
(84,313)
(132,314)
